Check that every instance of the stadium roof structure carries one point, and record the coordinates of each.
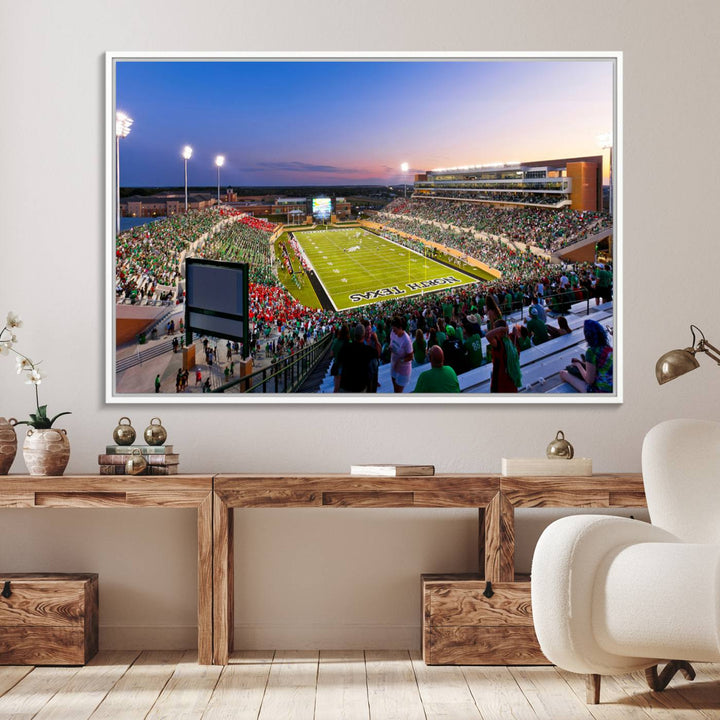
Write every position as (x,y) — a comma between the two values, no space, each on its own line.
(556,183)
(168,196)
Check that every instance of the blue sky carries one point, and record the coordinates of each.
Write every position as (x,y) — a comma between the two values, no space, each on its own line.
(353,122)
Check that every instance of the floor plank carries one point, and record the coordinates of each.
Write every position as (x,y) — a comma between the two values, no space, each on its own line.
(342,686)
(290,691)
(139,688)
(11,675)
(615,703)
(88,687)
(346,685)
(240,691)
(497,694)
(188,692)
(666,705)
(392,688)
(34,691)
(548,694)
(703,693)
(444,691)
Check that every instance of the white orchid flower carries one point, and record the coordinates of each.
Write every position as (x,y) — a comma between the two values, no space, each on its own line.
(13,320)
(5,346)
(23,364)
(35,377)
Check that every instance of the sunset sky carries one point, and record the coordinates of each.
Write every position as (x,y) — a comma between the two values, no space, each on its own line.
(353,122)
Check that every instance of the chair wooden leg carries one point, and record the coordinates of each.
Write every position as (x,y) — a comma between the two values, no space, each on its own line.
(592,689)
(660,682)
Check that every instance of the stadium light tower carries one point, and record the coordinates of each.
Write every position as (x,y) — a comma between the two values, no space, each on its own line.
(187,154)
(405,167)
(123,123)
(605,141)
(219,162)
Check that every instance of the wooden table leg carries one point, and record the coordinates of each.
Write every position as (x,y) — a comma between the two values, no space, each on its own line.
(223,581)
(499,518)
(205,580)
(481,541)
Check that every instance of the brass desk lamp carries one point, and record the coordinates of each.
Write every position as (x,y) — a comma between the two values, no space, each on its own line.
(677,362)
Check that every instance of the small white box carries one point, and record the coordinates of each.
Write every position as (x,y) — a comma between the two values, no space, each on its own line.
(547,467)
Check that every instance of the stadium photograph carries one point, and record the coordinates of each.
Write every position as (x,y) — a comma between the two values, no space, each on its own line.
(363,229)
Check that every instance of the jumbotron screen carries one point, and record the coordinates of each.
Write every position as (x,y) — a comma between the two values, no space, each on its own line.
(322,207)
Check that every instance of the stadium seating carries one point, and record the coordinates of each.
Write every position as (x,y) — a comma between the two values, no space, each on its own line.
(540,364)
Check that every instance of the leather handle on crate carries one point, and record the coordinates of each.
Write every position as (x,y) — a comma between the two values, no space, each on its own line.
(488,592)
(6,592)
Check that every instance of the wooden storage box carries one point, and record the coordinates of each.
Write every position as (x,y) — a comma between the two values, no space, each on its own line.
(461,626)
(48,618)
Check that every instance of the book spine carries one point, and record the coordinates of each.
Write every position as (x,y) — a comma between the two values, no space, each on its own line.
(173,459)
(149,470)
(112,469)
(144,449)
(162,470)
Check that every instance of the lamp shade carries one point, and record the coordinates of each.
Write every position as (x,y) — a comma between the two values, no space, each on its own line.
(675,363)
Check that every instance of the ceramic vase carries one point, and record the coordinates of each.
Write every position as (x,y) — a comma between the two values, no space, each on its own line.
(46,451)
(8,445)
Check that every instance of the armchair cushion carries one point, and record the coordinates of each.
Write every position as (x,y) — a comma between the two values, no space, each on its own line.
(566,562)
(659,600)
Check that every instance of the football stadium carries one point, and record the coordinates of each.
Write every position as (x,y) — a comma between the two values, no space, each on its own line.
(449,267)
(490,279)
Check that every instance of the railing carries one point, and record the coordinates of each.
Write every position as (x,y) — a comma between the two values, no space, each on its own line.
(143,356)
(144,302)
(559,307)
(285,376)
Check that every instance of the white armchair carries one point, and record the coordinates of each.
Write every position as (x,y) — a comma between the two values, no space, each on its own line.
(613,595)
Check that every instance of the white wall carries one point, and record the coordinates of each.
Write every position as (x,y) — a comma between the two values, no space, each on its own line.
(331,578)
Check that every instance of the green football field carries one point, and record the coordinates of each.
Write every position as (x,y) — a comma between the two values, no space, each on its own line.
(358,268)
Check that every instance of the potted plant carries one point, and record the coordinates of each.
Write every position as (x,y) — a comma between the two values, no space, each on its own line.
(46,449)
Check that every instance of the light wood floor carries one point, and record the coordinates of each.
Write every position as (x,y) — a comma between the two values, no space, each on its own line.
(370,685)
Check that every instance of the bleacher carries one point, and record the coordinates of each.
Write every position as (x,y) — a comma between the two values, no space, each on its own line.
(540,364)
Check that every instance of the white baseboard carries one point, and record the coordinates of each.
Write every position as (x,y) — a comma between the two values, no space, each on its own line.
(266,637)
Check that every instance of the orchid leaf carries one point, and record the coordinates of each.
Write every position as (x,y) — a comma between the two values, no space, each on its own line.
(67,412)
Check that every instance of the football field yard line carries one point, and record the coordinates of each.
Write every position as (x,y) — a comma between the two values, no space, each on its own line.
(378,270)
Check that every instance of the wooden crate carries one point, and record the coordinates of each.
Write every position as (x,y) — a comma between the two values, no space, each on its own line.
(48,618)
(461,626)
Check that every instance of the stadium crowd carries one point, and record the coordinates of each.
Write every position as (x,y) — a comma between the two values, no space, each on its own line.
(546,229)
(515,265)
(495,196)
(453,321)
(149,255)
(242,241)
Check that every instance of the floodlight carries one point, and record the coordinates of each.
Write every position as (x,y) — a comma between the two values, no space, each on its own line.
(219,162)
(187,154)
(123,123)
(404,167)
(605,140)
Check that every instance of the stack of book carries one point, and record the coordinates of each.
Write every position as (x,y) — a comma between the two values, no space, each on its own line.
(160,459)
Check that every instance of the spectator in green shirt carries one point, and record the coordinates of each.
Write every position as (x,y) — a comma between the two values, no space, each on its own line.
(604,285)
(439,378)
(537,328)
(473,341)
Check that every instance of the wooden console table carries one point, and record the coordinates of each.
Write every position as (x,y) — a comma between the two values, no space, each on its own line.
(495,497)
(126,491)
(215,497)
